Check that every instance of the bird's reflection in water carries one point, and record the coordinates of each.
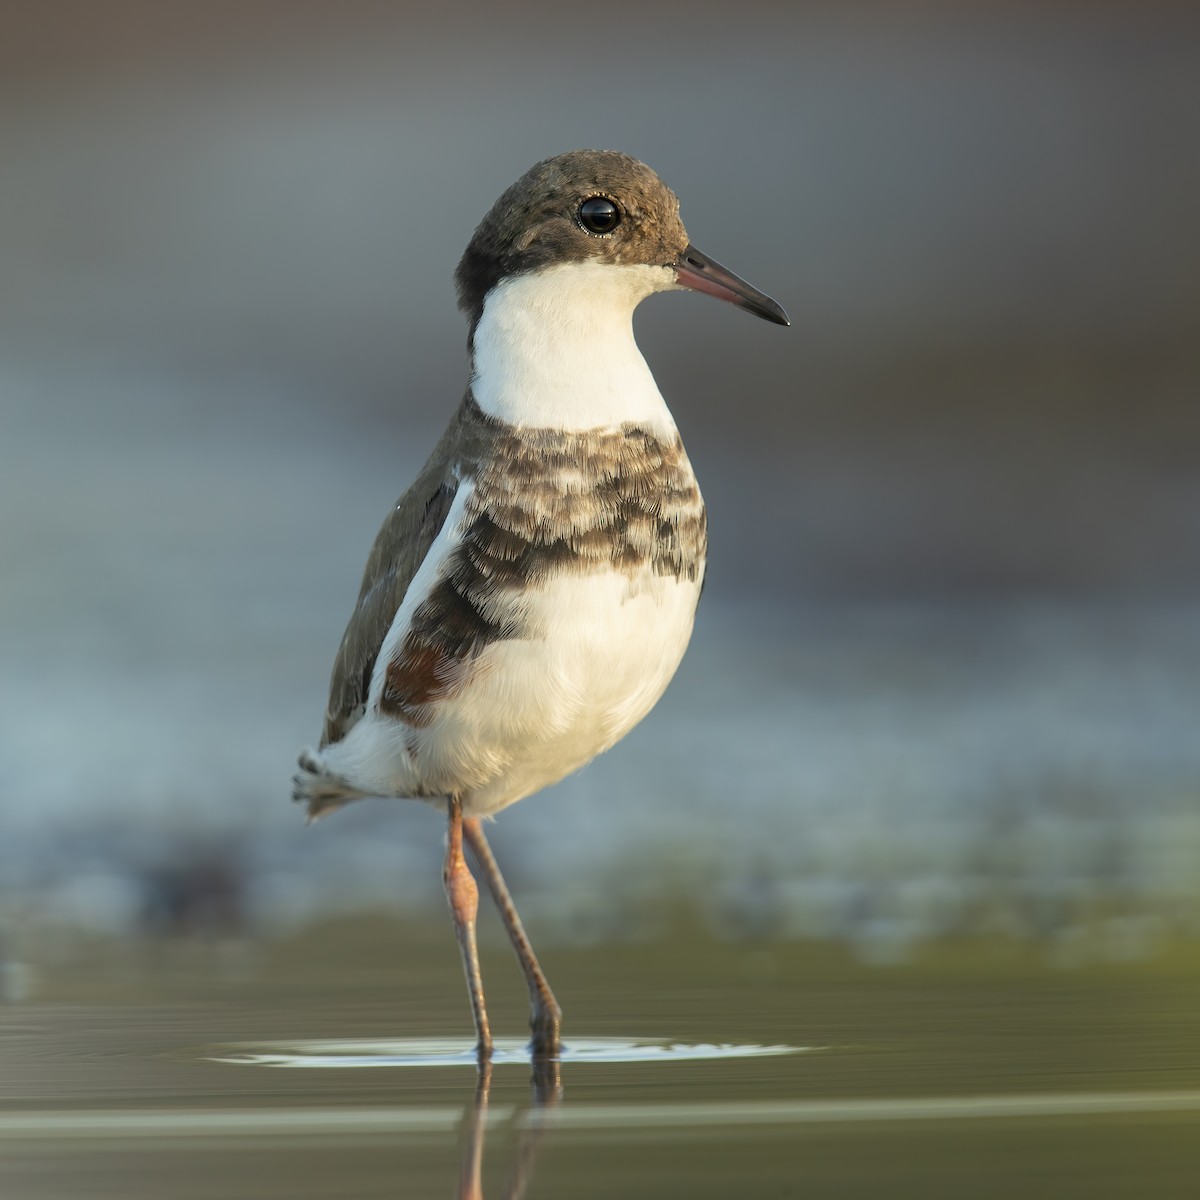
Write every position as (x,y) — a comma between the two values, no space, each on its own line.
(546,1083)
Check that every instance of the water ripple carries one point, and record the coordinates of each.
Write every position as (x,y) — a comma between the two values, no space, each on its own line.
(453,1052)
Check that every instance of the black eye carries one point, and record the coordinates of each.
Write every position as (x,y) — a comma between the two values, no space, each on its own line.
(599,215)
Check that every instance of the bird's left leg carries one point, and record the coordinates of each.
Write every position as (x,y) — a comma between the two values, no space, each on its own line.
(545,1017)
(462,895)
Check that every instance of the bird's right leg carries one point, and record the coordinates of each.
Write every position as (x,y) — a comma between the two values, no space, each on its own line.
(463,897)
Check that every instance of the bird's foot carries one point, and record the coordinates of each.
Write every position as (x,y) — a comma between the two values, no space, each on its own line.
(545,1026)
(483,1052)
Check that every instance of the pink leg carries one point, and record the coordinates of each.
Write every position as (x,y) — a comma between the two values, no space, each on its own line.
(463,897)
(545,1018)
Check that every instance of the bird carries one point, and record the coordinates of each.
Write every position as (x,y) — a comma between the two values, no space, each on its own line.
(530,596)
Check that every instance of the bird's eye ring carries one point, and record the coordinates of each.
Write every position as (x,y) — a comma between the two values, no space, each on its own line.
(598,214)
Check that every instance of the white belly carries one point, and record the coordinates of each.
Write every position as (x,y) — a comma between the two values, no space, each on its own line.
(600,652)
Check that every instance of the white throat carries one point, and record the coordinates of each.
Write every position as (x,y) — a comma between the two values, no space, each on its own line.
(555,350)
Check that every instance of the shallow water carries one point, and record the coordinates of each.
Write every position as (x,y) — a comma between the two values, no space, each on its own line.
(339,1065)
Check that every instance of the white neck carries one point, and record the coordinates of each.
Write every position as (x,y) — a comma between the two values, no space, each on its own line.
(554,349)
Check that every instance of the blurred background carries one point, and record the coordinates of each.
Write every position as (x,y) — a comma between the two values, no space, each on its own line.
(945,676)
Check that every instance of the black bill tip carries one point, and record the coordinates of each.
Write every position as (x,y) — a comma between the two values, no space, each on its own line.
(703,274)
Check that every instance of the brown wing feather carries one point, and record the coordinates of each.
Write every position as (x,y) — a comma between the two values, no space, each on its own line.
(399,549)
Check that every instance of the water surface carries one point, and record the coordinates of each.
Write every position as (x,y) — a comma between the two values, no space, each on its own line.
(699,1069)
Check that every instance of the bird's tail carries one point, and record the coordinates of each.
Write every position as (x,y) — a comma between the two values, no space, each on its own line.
(315,786)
